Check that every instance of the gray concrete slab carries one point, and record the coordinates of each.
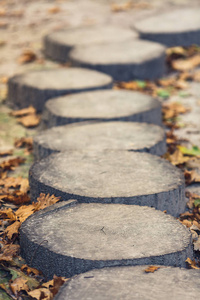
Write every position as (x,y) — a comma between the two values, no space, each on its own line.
(68,239)
(35,88)
(123,61)
(127,136)
(57,45)
(177,27)
(110,177)
(132,283)
(109,105)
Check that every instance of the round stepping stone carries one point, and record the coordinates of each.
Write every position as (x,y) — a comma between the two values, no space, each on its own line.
(109,105)
(110,177)
(57,45)
(180,27)
(34,88)
(71,238)
(140,137)
(132,283)
(123,61)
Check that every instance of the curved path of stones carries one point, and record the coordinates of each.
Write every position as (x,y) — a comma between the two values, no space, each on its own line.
(120,197)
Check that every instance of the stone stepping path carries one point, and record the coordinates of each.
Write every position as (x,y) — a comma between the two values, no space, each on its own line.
(110,177)
(70,238)
(35,88)
(109,105)
(57,45)
(123,61)
(129,136)
(178,27)
(132,283)
(102,164)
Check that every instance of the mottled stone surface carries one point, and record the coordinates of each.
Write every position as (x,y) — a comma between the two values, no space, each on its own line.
(110,177)
(128,136)
(132,283)
(178,27)
(123,61)
(57,45)
(73,238)
(35,88)
(109,105)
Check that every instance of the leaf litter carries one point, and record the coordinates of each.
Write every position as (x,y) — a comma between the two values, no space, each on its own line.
(20,280)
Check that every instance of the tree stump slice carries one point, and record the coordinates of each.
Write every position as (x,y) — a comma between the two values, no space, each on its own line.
(179,27)
(125,61)
(35,88)
(132,283)
(129,136)
(110,177)
(57,45)
(69,238)
(109,105)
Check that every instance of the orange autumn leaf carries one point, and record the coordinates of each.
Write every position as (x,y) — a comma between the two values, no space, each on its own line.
(24,142)
(16,197)
(191,176)
(9,251)
(18,285)
(7,213)
(41,293)
(151,269)
(29,270)
(177,158)
(55,284)
(12,163)
(6,152)
(171,110)
(14,182)
(45,201)
(24,212)
(29,121)
(26,57)
(23,112)
(54,10)
(12,229)
(186,64)
(192,263)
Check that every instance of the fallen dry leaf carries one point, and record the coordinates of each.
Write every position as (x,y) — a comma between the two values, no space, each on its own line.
(6,153)
(30,270)
(172,110)
(12,229)
(27,56)
(191,176)
(24,142)
(187,223)
(186,64)
(7,214)
(41,294)
(24,212)
(121,7)
(54,10)
(23,112)
(177,158)
(11,163)
(9,251)
(55,284)
(45,201)
(191,263)
(18,285)
(29,121)
(176,50)
(151,269)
